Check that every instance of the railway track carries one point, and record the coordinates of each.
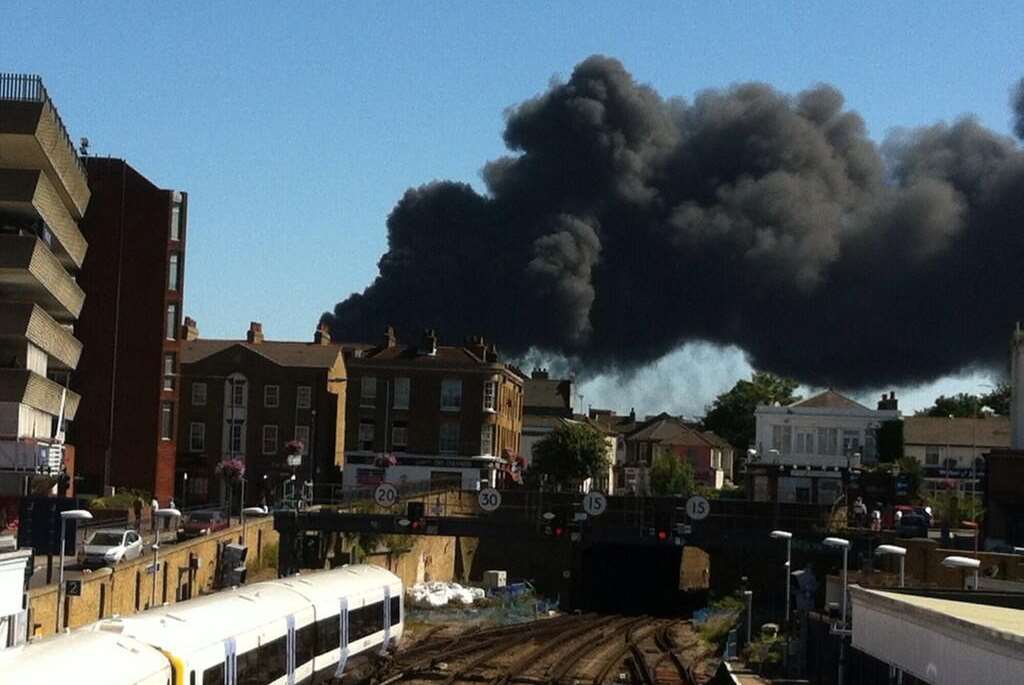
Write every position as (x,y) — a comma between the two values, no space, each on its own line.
(567,650)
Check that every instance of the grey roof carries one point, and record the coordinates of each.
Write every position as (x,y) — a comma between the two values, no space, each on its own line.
(829,399)
(547,393)
(294,354)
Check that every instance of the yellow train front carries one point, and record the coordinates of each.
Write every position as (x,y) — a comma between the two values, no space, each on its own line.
(300,630)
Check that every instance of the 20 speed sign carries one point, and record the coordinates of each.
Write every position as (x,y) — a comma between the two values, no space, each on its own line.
(385,495)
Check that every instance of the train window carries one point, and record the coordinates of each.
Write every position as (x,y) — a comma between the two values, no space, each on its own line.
(396,610)
(214,675)
(367,620)
(328,634)
(273,662)
(249,668)
(305,643)
(192,678)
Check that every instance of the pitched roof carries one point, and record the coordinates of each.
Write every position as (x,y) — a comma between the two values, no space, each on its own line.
(446,356)
(296,354)
(671,431)
(993,431)
(829,399)
(546,393)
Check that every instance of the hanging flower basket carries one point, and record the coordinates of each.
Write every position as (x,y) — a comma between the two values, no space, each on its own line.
(294,447)
(231,469)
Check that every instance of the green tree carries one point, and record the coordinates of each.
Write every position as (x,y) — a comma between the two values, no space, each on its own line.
(570,455)
(912,467)
(964,405)
(670,475)
(731,415)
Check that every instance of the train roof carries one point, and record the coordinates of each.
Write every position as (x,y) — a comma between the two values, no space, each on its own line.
(71,658)
(210,619)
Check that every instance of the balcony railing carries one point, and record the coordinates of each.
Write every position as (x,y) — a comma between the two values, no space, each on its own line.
(30,88)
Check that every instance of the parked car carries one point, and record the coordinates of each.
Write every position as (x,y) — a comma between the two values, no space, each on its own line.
(203,522)
(108,546)
(912,526)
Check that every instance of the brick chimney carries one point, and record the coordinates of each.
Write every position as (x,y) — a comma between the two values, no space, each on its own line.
(430,342)
(255,333)
(322,335)
(492,353)
(539,374)
(389,337)
(189,329)
(888,402)
(475,344)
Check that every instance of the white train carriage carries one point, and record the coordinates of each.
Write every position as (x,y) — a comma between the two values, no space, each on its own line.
(295,630)
(85,658)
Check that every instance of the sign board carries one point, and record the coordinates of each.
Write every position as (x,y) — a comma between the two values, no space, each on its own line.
(595,503)
(489,499)
(294,460)
(73,588)
(385,495)
(697,508)
(154,568)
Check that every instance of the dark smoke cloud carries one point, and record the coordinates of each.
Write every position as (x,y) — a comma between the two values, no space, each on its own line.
(623,225)
(1018,109)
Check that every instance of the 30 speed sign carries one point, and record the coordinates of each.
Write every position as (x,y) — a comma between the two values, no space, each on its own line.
(489,499)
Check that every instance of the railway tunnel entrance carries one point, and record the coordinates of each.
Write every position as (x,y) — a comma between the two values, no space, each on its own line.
(629,579)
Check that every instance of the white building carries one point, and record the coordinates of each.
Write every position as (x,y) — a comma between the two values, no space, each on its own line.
(953,449)
(819,437)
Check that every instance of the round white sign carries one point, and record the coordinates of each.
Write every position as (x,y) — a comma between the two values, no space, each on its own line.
(595,503)
(386,495)
(697,508)
(489,499)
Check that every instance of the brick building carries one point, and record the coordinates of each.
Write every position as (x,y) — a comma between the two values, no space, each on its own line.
(133,277)
(247,399)
(708,455)
(43,196)
(446,414)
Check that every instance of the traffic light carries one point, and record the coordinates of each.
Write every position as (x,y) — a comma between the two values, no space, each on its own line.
(416,512)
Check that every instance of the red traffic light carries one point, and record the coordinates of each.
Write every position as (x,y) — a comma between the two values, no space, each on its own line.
(662,535)
(558,532)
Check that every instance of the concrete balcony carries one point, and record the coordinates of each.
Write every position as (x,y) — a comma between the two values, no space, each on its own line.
(21,386)
(32,136)
(30,273)
(26,321)
(28,195)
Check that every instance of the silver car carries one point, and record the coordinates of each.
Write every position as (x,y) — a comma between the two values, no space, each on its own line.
(106,547)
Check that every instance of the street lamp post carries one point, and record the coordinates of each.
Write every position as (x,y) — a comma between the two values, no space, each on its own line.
(750,611)
(184,489)
(163,514)
(894,550)
(65,516)
(964,563)
(843,544)
(788,537)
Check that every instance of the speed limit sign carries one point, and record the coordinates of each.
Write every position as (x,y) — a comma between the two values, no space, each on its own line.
(385,495)
(595,503)
(697,508)
(489,499)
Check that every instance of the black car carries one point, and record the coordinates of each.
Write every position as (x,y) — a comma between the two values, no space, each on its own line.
(912,526)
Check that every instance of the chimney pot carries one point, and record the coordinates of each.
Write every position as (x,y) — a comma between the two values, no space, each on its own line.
(322,336)
(255,332)
(389,337)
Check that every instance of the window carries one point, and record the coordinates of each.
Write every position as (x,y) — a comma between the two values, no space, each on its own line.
(396,610)
(303,397)
(716,460)
(490,396)
(235,435)
(366,434)
(851,442)
(196,437)
(368,391)
(169,371)
(828,441)
(451,394)
(366,621)
(487,440)
(931,455)
(270,439)
(271,395)
(302,435)
(199,394)
(401,393)
(171,324)
(805,443)
(399,436)
(172,272)
(176,221)
(237,398)
(166,420)
(782,439)
(449,442)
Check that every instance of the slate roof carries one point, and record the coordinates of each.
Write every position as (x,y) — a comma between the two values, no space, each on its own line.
(546,394)
(672,431)
(829,399)
(292,354)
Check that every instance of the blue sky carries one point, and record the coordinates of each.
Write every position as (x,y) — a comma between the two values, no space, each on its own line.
(295,127)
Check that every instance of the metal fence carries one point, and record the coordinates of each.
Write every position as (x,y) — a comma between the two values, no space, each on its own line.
(30,88)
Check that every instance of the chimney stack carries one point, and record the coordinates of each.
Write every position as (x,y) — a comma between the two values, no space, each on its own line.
(888,403)
(539,374)
(389,337)
(430,342)
(322,335)
(255,333)
(475,344)
(189,329)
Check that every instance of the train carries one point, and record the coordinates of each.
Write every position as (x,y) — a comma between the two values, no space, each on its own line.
(291,631)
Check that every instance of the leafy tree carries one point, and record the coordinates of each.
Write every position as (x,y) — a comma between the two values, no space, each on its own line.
(964,405)
(570,455)
(670,475)
(731,415)
(912,467)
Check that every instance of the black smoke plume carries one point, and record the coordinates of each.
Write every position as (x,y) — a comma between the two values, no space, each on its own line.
(623,225)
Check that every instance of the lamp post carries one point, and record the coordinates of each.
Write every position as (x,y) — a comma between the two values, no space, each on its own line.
(843,544)
(894,550)
(750,611)
(249,511)
(184,489)
(788,537)
(163,514)
(65,516)
(964,563)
